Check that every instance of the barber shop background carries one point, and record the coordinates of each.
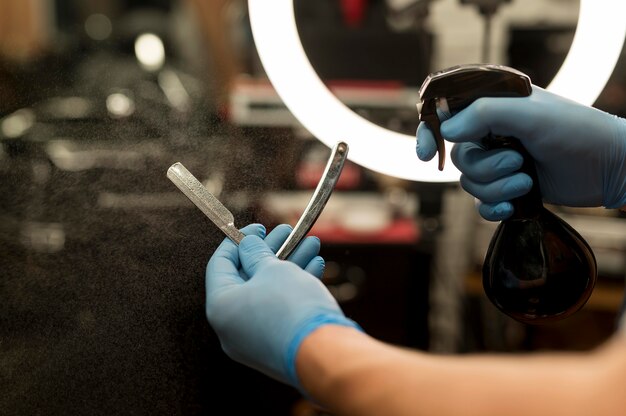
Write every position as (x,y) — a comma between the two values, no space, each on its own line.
(102,259)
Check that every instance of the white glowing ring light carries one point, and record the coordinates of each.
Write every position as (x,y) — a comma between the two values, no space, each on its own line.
(594,52)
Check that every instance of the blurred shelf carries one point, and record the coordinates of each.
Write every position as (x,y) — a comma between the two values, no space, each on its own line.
(350,217)
(401,231)
(254,101)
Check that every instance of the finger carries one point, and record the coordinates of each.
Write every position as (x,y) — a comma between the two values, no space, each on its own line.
(254,253)
(481,165)
(495,212)
(277,236)
(223,268)
(316,266)
(503,189)
(254,229)
(228,251)
(426,146)
(502,116)
(306,250)
(226,258)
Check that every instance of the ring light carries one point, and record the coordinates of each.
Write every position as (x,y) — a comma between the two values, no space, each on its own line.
(597,45)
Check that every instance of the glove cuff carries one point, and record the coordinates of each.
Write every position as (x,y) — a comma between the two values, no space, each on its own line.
(305,329)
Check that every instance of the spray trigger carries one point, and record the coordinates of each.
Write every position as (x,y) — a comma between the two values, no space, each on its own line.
(428,113)
(452,89)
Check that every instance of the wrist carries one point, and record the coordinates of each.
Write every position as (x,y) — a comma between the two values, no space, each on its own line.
(323,361)
(307,328)
(345,370)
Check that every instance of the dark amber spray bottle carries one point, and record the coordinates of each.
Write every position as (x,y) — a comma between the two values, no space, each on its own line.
(537,268)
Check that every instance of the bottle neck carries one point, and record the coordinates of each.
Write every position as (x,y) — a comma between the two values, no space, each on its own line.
(528,205)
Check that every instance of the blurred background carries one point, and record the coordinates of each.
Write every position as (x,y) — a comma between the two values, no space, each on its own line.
(102,259)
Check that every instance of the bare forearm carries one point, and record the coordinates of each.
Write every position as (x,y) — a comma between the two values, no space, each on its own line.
(352,373)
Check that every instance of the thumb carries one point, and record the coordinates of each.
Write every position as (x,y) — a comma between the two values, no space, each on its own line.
(254,253)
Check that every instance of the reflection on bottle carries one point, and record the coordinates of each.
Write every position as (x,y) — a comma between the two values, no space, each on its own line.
(538,269)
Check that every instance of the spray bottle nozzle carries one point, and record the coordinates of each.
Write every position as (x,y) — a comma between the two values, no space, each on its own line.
(459,86)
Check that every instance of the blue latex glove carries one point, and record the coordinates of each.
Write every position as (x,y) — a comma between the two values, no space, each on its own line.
(261,307)
(579,152)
